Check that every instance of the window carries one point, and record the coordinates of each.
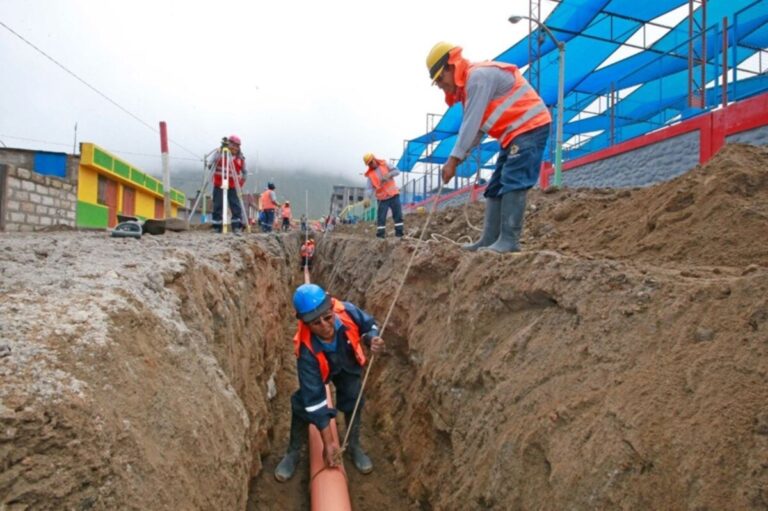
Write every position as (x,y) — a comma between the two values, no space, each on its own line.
(101,197)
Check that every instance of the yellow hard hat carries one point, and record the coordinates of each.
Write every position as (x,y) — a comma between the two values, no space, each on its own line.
(368,158)
(438,58)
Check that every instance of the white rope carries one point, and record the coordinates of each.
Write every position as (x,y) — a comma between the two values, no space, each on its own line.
(389,315)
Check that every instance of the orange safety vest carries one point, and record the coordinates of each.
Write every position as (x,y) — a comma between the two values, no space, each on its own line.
(307,250)
(266,201)
(520,110)
(286,212)
(304,336)
(384,189)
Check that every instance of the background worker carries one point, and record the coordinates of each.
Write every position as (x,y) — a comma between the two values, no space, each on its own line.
(499,102)
(328,346)
(238,172)
(307,252)
(285,212)
(381,182)
(268,206)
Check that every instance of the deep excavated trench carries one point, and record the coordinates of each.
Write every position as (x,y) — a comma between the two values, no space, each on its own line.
(619,362)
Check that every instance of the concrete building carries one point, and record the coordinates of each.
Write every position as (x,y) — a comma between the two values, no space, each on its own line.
(343,196)
(43,190)
(108,185)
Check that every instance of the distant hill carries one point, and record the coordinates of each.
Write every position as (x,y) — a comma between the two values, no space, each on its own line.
(290,186)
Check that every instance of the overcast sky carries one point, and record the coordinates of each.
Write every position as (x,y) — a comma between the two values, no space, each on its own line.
(305,84)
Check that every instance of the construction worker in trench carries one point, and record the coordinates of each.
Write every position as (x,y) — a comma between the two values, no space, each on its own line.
(268,207)
(240,173)
(329,348)
(307,253)
(499,102)
(381,182)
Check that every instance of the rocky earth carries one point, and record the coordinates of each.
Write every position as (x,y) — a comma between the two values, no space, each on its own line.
(136,374)
(619,362)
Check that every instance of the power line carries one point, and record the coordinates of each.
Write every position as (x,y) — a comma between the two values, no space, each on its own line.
(94,89)
(50,142)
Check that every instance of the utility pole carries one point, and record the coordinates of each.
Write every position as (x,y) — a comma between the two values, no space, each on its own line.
(166,171)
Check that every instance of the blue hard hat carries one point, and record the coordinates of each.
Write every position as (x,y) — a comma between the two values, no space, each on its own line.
(310,302)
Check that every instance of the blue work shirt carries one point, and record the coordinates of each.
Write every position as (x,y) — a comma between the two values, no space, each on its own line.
(341,359)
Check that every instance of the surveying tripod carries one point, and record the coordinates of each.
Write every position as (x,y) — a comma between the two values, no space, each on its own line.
(227,171)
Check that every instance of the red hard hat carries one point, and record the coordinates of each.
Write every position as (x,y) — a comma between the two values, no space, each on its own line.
(234,139)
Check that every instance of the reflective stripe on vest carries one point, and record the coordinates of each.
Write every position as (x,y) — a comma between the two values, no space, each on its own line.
(519,111)
(384,189)
(304,336)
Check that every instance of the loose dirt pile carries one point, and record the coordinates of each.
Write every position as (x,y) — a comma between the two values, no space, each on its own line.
(709,216)
(621,361)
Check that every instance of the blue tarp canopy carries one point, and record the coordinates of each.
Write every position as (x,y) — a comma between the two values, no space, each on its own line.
(649,86)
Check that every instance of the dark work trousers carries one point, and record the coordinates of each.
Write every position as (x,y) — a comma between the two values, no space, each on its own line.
(234,207)
(269,219)
(392,203)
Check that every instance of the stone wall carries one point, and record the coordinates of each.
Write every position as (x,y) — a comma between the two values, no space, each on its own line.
(756,136)
(643,166)
(30,201)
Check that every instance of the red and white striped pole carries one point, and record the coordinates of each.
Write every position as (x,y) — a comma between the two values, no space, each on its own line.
(166,171)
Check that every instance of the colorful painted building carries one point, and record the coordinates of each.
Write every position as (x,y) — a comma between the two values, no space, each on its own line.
(108,186)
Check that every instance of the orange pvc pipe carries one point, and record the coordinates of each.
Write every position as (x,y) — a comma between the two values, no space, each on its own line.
(328,487)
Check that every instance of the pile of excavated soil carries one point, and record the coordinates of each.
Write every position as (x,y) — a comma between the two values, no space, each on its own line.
(619,362)
(710,216)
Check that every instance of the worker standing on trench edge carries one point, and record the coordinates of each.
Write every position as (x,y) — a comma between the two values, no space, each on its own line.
(328,347)
(381,182)
(499,102)
(268,207)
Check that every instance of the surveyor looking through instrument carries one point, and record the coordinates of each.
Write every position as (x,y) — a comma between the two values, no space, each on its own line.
(329,348)
(229,174)
(499,102)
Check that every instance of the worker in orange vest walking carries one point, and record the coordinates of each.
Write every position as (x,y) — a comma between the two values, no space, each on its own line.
(381,182)
(499,102)
(329,348)
(285,212)
(268,207)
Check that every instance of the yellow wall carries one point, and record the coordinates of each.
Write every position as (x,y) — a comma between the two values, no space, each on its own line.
(95,161)
(145,205)
(88,185)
